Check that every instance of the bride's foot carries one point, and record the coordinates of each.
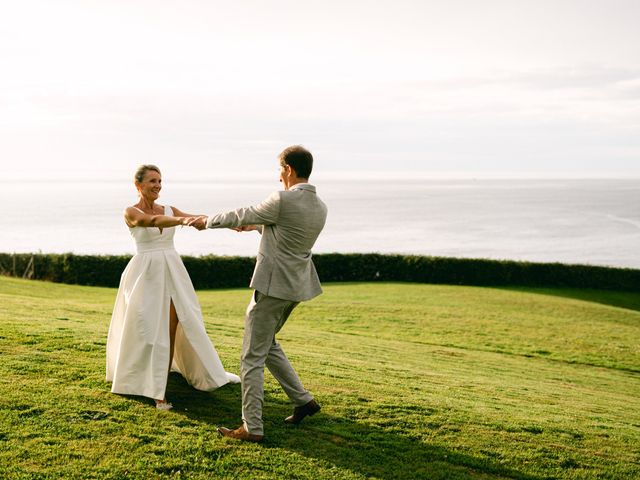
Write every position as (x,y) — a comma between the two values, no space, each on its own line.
(163,405)
(232,377)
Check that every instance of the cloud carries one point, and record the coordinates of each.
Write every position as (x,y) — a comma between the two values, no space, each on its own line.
(416,84)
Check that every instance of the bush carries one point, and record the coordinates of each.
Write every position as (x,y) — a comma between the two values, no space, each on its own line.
(232,272)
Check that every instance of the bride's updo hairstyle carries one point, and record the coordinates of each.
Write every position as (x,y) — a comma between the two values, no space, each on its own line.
(142,171)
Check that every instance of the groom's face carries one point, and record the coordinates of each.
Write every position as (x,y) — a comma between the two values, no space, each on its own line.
(285,175)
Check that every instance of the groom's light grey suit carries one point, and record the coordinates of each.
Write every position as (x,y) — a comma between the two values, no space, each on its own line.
(290,222)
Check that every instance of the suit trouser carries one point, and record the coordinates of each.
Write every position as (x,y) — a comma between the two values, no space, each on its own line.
(265,317)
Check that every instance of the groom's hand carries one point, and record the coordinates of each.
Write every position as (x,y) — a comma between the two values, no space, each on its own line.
(246,228)
(199,223)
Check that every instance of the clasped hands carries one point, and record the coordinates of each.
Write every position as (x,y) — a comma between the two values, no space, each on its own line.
(200,223)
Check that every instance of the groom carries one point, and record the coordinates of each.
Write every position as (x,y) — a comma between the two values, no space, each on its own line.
(290,222)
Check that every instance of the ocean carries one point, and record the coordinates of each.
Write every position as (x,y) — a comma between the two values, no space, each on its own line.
(572,221)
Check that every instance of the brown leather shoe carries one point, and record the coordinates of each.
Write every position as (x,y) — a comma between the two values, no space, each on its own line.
(240,434)
(310,408)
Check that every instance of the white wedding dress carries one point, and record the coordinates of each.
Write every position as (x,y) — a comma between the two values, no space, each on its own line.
(138,341)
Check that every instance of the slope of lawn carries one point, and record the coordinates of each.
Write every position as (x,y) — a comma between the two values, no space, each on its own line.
(416,381)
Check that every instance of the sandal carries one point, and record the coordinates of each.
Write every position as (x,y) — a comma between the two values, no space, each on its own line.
(163,405)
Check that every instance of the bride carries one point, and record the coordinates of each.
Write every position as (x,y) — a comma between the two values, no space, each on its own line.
(157,324)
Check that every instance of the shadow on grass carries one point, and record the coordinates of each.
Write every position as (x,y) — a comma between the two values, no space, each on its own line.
(628,300)
(221,405)
(381,451)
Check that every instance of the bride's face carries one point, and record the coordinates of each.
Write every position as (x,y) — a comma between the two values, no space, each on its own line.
(150,186)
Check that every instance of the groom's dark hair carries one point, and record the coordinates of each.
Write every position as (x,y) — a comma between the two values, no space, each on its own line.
(298,158)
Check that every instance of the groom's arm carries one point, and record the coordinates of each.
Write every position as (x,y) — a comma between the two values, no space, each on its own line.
(265,213)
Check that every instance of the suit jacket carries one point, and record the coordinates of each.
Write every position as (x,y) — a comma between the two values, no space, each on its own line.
(290,224)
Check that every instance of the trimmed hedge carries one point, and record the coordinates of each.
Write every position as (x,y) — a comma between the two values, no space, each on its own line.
(232,272)
(105,270)
(470,271)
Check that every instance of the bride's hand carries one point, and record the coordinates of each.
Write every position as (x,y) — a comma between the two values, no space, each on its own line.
(199,223)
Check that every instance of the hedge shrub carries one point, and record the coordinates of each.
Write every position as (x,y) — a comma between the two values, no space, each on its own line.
(231,272)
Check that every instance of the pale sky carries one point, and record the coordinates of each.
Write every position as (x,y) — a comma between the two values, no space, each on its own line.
(210,88)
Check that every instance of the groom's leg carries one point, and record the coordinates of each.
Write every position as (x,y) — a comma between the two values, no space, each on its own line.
(264,316)
(280,367)
(282,370)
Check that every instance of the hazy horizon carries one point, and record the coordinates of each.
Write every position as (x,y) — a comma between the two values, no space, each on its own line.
(571,221)
(263,176)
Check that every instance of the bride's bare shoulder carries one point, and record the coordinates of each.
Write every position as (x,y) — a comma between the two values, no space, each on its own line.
(131,215)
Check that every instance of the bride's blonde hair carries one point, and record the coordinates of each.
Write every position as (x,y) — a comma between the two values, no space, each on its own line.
(142,171)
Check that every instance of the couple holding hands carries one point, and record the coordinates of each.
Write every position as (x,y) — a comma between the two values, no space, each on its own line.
(157,324)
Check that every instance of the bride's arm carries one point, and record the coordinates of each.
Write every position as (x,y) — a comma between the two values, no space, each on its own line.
(180,213)
(136,218)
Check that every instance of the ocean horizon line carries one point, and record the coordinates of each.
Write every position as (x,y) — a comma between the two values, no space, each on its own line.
(565,220)
(76,177)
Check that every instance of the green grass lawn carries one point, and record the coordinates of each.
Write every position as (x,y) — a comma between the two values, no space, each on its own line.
(416,381)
